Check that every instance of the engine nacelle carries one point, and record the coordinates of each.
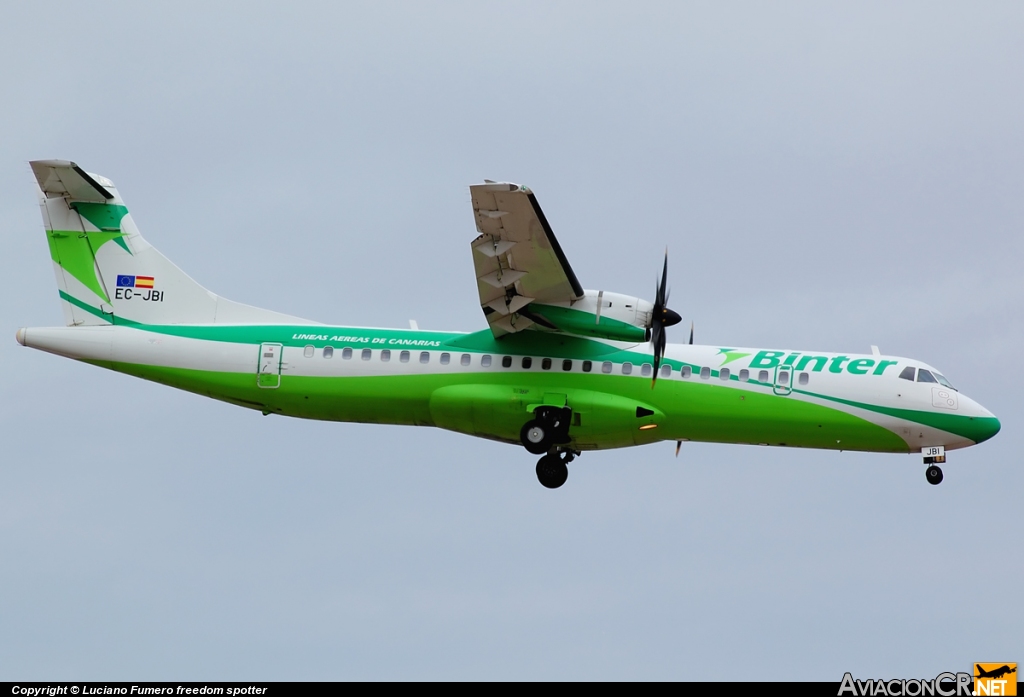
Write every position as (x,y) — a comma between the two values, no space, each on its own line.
(600,314)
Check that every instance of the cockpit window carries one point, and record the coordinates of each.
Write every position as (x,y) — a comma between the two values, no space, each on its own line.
(908,373)
(925,376)
(943,381)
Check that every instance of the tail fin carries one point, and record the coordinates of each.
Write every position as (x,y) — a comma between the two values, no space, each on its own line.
(107,273)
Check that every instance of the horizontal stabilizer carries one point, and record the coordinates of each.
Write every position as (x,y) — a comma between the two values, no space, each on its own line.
(64,178)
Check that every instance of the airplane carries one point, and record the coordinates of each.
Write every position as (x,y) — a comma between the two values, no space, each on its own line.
(559,370)
(995,673)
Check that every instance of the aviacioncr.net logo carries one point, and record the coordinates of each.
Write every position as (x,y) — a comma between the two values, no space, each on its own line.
(943,685)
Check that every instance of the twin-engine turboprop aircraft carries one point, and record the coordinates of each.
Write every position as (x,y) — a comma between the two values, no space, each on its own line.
(559,370)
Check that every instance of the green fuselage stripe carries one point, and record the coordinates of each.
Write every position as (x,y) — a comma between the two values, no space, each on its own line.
(692,409)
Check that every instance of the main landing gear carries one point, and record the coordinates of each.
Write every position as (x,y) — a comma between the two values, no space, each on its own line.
(547,434)
(552,470)
(549,427)
(933,474)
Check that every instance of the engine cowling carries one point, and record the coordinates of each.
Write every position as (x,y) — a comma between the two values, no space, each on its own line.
(599,314)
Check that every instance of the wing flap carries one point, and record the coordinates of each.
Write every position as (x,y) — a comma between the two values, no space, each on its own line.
(516,257)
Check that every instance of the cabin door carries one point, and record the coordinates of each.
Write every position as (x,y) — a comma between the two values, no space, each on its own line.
(269,372)
(783,380)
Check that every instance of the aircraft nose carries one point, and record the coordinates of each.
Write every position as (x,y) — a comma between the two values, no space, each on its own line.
(986,427)
(984,424)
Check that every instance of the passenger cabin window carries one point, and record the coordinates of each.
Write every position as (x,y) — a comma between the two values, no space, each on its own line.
(527,362)
(328,352)
(587,366)
(762,376)
(723,374)
(804,378)
(686,372)
(627,368)
(783,377)
(466,358)
(666,371)
(606,367)
(308,351)
(424,357)
(925,376)
(367,354)
(506,361)
(566,364)
(485,360)
(645,370)
(705,373)
(744,375)
(446,358)
(908,373)
(404,357)
(346,353)
(385,355)
(545,364)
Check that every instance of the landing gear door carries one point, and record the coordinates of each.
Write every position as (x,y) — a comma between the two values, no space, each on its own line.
(783,380)
(269,372)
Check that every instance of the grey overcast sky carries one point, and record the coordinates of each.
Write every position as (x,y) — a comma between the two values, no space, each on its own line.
(825,175)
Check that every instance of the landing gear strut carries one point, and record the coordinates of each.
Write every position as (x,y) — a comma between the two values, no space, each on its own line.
(552,470)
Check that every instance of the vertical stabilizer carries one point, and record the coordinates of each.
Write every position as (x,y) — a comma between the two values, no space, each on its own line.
(107,273)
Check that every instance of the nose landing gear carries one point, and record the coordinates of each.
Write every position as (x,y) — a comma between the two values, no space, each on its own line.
(933,455)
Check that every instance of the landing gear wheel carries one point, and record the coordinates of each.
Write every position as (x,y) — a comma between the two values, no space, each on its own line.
(536,437)
(933,474)
(551,471)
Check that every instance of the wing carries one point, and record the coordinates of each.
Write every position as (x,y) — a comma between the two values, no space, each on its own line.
(517,258)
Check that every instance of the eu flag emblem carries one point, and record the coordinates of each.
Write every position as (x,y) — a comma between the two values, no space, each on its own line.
(125,281)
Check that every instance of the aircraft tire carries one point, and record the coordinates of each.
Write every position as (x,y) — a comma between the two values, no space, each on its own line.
(536,437)
(551,471)
(933,474)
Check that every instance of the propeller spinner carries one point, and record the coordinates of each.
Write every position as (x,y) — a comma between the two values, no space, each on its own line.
(661,318)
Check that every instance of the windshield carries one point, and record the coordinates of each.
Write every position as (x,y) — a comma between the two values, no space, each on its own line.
(943,381)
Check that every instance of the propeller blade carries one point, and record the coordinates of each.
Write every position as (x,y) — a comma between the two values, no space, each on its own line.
(661,317)
(679,444)
(663,290)
(691,332)
(659,351)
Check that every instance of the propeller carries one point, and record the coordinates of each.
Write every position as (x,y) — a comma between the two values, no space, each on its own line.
(661,318)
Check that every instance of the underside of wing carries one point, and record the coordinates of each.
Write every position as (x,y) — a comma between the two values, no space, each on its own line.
(63,178)
(517,259)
